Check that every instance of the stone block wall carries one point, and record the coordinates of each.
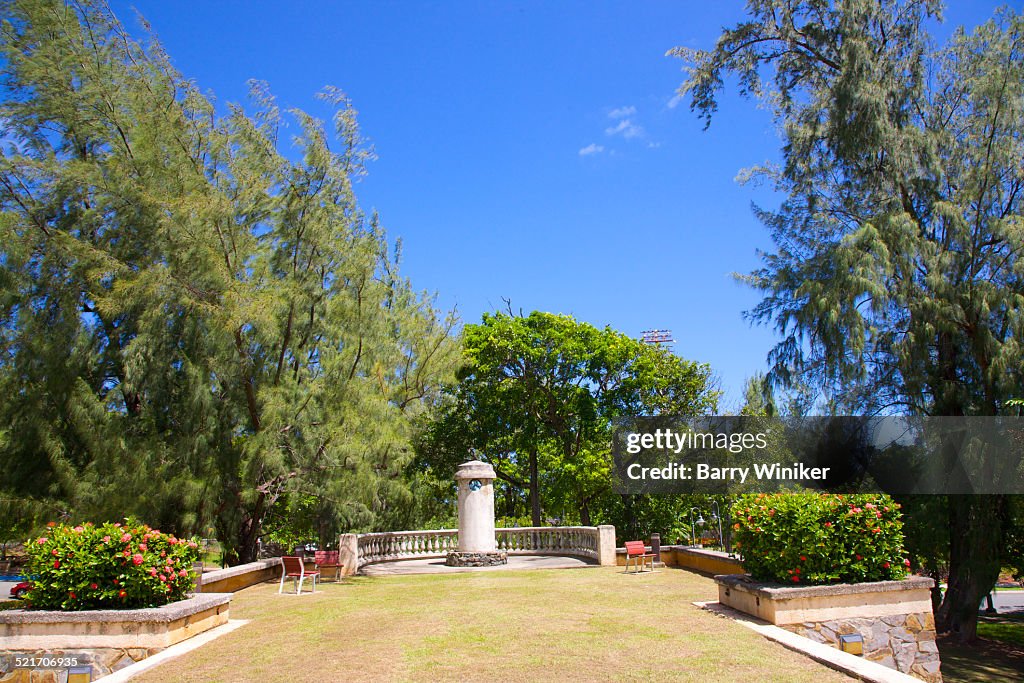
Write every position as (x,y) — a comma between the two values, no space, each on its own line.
(102,661)
(905,642)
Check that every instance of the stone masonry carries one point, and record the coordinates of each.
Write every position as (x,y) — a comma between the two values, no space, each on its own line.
(905,642)
(102,661)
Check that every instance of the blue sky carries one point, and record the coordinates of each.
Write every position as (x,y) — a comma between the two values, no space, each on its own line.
(529,151)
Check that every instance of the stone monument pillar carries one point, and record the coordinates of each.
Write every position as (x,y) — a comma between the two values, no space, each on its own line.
(477,546)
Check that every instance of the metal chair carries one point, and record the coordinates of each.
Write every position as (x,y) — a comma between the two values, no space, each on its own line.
(295,568)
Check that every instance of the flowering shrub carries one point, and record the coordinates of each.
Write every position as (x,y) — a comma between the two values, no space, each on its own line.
(112,566)
(820,538)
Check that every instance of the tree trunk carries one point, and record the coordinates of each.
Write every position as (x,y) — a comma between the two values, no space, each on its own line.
(585,514)
(534,488)
(976,529)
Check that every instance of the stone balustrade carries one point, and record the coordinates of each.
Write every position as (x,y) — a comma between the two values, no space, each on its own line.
(574,541)
(595,543)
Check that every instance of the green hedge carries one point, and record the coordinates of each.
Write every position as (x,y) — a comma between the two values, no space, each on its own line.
(111,566)
(809,539)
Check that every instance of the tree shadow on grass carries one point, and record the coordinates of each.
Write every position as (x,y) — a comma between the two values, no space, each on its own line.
(982,661)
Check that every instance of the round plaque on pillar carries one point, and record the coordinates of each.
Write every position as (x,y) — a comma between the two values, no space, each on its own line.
(477,546)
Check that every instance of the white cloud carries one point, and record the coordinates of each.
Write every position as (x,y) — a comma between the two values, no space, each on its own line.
(674,102)
(622,112)
(592,148)
(626,128)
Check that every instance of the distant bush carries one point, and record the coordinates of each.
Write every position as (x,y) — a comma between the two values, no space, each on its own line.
(112,566)
(820,538)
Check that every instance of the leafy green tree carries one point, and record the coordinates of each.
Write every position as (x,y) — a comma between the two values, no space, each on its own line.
(537,396)
(895,282)
(193,325)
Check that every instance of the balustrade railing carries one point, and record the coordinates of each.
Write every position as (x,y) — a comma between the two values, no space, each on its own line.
(406,545)
(577,541)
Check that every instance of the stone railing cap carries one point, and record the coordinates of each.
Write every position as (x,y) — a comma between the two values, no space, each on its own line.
(779,591)
(166,613)
(475,469)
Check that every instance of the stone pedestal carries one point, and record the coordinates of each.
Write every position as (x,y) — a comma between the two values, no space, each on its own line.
(477,544)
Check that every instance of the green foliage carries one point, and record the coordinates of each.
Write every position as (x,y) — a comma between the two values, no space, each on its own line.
(109,566)
(820,538)
(537,397)
(895,279)
(194,325)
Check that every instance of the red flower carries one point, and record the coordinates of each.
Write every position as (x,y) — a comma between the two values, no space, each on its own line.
(858,557)
(56,564)
(121,594)
(906,563)
(71,594)
(152,571)
(115,582)
(876,530)
(885,565)
(93,586)
(796,579)
(51,524)
(54,552)
(736,525)
(828,525)
(803,558)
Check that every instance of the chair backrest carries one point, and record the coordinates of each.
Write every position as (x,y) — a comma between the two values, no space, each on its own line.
(292,565)
(326,556)
(634,548)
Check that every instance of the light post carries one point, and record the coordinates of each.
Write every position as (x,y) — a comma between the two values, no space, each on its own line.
(700,522)
(717,516)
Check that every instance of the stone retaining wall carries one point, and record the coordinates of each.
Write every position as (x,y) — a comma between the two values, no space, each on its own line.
(893,617)
(241,576)
(905,642)
(104,640)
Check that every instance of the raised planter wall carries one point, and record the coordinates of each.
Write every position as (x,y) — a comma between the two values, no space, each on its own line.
(710,562)
(893,617)
(242,576)
(106,640)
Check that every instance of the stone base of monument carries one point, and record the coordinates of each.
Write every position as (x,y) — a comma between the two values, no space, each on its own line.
(464,559)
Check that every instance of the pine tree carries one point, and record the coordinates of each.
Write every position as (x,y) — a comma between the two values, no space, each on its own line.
(194,324)
(896,280)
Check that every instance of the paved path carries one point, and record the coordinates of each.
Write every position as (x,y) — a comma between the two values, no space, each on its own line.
(436,565)
(1007,601)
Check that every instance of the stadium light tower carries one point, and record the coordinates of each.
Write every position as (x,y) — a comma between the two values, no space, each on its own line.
(658,338)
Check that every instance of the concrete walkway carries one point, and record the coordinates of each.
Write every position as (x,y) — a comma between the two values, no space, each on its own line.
(436,565)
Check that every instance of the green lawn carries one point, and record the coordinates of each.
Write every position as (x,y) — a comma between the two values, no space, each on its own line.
(593,624)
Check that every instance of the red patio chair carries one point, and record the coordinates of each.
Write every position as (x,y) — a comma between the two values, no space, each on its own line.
(295,568)
(328,559)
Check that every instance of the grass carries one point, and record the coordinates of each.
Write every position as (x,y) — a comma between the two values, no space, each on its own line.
(1007,631)
(593,624)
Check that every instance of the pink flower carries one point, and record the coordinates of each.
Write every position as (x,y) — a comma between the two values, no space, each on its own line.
(137,560)
(106,539)
(193,544)
(126,537)
(163,578)
(143,547)
(172,540)
(126,553)
(163,553)
(54,552)
(79,529)
(878,515)
(183,573)
(42,540)
(906,563)
(152,571)
(168,570)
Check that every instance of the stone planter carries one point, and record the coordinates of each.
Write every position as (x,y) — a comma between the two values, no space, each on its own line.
(893,617)
(107,640)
